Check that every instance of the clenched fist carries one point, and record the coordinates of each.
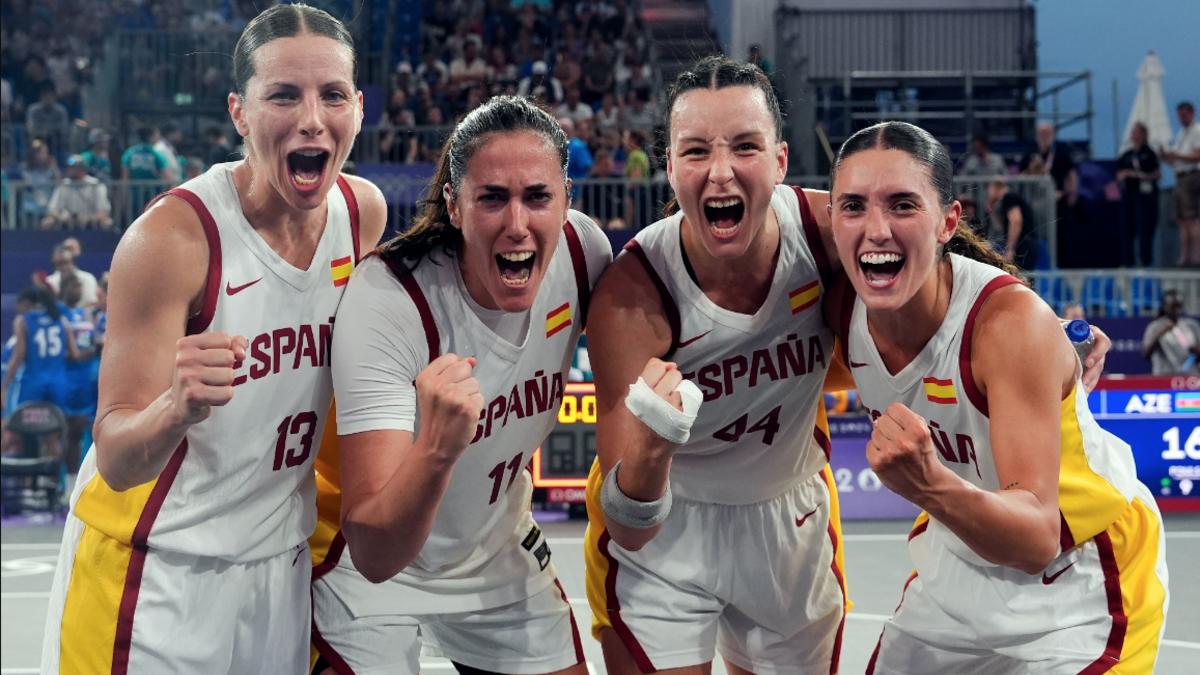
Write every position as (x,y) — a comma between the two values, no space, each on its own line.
(450,404)
(204,373)
(902,454)
(663,377)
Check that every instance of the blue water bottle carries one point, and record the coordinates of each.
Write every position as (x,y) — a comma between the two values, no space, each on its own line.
(1080,335)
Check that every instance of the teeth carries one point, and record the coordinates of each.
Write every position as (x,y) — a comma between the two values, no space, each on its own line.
(305,181)
(310,153)
(517,257)
(880,258)
(723,203)
(722,231)
(519,281)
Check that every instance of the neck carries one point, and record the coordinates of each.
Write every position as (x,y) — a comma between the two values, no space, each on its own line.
(901,334)
(266,210)
(738,284)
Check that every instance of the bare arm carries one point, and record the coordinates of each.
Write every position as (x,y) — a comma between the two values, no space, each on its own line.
(16,358)
(818,203)
(392,486)
(372,209)
(625,304)
(1023,365)
(155,382)
(73,351)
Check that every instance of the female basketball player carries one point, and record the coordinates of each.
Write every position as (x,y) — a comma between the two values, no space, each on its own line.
(186,549)
(80,385)
(1039,551)
(451,354)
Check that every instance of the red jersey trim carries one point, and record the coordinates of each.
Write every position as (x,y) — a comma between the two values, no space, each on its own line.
(123,641)
(823,441)
(332,556)
(627,637)
(409,282)
(352,207)
(812,233)
(1116,608)
(669,306)
(964,353)
(579,262)
(198,323)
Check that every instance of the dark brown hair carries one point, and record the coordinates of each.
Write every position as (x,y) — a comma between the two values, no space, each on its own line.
(926,150)
(282,21)
(718,72)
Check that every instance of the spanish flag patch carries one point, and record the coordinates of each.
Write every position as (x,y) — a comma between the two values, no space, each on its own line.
(558,319)
(341,269)
(804,297)
(940,391)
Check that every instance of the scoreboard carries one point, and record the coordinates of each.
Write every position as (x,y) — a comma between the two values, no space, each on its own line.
(1158,417)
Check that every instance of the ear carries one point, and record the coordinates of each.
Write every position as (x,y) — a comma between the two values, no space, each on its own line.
(452,206)
(238,114)
(670,167)
(358,122)
(782,159)
(950,223)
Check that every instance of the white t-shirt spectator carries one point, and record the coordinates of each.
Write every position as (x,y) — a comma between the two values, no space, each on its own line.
(86,279)
(606,121)
(1174,354)
(476,70)
(993,166)
(167,150)
(40,120)
(644,119)
(1186,142)
(582,111)
(82,199)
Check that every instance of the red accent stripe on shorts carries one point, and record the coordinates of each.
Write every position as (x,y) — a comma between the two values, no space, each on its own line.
(327,651)
(837,641)
(352,207)
(1116,608)
(212,289)
(574,626)
(582,285)
(875,654)
(1065,539)
(332,556)
(137,561)
(917,530)
(812,233)
(409,282)
(823,441)
(964,352)
(669,306)
(614,611)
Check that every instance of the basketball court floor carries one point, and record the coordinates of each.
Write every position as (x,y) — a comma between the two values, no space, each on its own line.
(877,564)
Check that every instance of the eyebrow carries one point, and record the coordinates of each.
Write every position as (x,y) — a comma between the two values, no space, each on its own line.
(847,196)
(743,135)
(501,188)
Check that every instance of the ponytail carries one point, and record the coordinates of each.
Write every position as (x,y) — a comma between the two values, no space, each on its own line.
(969,245)
(432,228)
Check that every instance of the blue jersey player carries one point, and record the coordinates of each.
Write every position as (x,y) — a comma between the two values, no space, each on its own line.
(79,373)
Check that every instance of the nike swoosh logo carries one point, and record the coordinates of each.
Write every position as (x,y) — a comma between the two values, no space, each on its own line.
(688,342)
(1047,580)
(234,290)
(857,365)
(800,521)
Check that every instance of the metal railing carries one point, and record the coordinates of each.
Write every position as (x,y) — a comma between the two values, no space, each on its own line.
(23,203)
(1117,293)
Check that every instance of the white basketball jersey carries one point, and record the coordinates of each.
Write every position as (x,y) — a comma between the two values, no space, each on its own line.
(1097,478)
(470,560)
(240,486)
(761,428)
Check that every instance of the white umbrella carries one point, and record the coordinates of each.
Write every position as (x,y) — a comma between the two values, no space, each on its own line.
(1149,106)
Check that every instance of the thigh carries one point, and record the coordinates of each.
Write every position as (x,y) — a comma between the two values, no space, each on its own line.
(274,626)
(534,636)
(359,643)
(903,653)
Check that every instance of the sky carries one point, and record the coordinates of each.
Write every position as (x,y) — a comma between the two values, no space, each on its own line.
(1110,38)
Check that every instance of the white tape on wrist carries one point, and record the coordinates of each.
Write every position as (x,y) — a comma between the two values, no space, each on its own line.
(665,419)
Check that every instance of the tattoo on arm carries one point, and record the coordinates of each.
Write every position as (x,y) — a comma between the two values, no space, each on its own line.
(1011,485)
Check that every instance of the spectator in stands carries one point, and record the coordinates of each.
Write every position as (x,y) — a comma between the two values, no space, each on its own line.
(638,80)
(970,215)
(982,162)
(500,70)
(1138,172)
(604,200)
(1011,225)
(608,117)
(579,158)
(48,119)
(568,71)
(432,71)
(1172,341)
(192,167)
(1184,157)
(540,77)
(169,138)
(574,109)
(6,100)
(597,74)
(141,162)
(430,141)
(1073,311)
(96,156)
(63,260)
(219,149)
(30,85)
(402,78)
(757,59)
(79,201)
(40,176)
(639,114)
(398,142)
(72,244)
(1056,158)
(639,209)
(469,69)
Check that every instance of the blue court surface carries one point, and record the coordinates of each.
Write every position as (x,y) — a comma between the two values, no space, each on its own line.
(877,564)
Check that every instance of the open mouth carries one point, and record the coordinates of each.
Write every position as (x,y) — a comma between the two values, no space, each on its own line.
(515,268)
(881,269)
(724,216)
(307,167)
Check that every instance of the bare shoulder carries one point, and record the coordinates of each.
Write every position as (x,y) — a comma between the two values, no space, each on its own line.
(165,244)
(625,303)
(818,201)
(1017,332)
(372,209)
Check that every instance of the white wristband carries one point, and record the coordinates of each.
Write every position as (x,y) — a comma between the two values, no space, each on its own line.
(665,419)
